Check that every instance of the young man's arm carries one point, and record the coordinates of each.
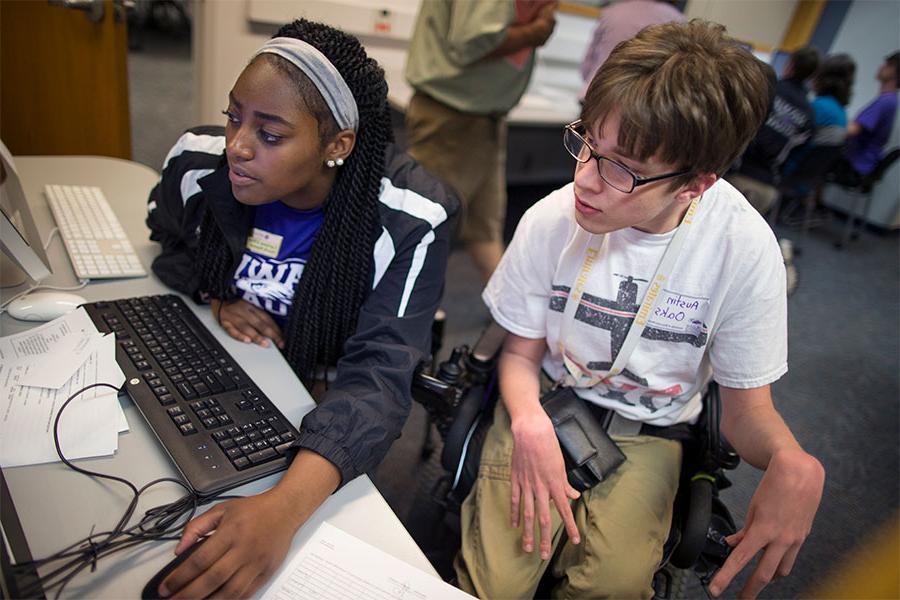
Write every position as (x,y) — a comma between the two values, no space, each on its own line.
(538,473)
(782,509)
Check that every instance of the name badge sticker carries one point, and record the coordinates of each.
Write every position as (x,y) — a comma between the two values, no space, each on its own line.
(264,243)
(680,313)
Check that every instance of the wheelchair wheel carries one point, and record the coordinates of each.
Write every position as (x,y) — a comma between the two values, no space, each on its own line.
(672,583)
(695,526)
(433,524)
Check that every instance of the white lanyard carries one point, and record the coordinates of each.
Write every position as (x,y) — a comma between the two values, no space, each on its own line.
(578,373)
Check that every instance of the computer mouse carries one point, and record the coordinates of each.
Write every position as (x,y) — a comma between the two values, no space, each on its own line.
(43,306)
(151,590)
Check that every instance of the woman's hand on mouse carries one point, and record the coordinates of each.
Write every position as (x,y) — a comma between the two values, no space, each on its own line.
(251,535)
(247,323)
(251,540)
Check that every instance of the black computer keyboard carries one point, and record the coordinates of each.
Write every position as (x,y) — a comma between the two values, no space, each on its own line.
(214,422)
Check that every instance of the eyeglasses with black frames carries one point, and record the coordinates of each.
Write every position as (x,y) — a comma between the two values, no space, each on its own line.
(614,173)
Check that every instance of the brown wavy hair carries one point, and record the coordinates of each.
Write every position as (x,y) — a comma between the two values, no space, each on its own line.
(684,92)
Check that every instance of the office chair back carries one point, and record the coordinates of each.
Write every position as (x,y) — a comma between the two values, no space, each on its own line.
(800,186)
(869,181)
(862,190)
(814,164)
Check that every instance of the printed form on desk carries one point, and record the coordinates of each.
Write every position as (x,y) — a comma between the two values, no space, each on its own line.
(334,565)
(41,368)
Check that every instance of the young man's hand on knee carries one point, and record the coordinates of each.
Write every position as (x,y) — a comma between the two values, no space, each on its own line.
(538,472)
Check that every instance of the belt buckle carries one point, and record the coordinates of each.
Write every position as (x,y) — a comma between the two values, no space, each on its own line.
(623,426)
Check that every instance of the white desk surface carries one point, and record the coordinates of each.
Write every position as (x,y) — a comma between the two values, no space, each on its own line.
(58,506)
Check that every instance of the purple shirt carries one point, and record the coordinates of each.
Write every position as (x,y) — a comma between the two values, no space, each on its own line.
(619,22)
(875,121)
(276,253)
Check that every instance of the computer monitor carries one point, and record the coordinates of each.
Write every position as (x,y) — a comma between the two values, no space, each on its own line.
(20,239)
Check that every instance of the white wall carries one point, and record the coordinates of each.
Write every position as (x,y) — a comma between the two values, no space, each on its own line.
(227,32)
(390,19)
(871,31)
(757,21)
(222,42)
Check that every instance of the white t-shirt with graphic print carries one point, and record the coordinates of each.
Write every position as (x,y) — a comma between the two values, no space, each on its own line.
(722,310)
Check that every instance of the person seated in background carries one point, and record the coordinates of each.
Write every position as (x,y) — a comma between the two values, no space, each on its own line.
(621,21)
(833,86)
(469,63)
(789,124)
(305,228)
(650,241)
(869,131)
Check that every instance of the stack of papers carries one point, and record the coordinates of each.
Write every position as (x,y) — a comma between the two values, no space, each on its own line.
(39,369)
(335,565)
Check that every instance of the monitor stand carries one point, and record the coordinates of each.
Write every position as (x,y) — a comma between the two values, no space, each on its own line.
(14,551)
(11,276)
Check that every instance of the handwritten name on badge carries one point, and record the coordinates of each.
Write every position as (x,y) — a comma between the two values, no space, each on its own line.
(680,313)
(265,243)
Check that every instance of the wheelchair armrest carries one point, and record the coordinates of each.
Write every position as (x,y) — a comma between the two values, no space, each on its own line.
(439,398)
(467,415)
(693,533)
(719,453)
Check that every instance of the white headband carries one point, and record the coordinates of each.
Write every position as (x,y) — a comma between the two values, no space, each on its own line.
(322,73)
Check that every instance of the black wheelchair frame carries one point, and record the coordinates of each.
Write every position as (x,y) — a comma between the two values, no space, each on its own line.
(460,394)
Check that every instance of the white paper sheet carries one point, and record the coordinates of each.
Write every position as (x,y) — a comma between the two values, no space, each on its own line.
(89,426)
(53,351)
(334,565)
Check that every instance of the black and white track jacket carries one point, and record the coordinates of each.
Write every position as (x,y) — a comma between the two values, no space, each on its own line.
(364,408)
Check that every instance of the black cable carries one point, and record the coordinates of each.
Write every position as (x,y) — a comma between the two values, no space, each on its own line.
(158,523)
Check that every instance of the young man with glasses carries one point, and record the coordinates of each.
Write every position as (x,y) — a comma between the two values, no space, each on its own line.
(636,284)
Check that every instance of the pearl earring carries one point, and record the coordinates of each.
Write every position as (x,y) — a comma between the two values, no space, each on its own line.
(330,163)
(340,162)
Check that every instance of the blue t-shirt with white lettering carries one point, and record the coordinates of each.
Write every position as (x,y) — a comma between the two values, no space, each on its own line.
(274,257)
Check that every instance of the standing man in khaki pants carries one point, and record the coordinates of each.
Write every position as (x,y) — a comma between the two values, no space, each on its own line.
(469,63)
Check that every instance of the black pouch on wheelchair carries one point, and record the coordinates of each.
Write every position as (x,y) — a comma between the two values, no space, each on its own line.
(590,454)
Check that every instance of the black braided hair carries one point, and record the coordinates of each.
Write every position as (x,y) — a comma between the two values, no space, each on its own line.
(214,262)
(339,272)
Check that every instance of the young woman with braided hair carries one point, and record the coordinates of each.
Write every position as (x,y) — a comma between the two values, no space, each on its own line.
(304,227)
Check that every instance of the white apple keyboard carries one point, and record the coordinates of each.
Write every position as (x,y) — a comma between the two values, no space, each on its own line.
(94,238)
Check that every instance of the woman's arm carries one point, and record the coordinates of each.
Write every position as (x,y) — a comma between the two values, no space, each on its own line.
(347,434)
(364,409)
(175,206)
(252,535)
(247,323)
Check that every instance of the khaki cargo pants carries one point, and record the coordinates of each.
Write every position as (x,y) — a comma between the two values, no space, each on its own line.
(467,152)
(623,521)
